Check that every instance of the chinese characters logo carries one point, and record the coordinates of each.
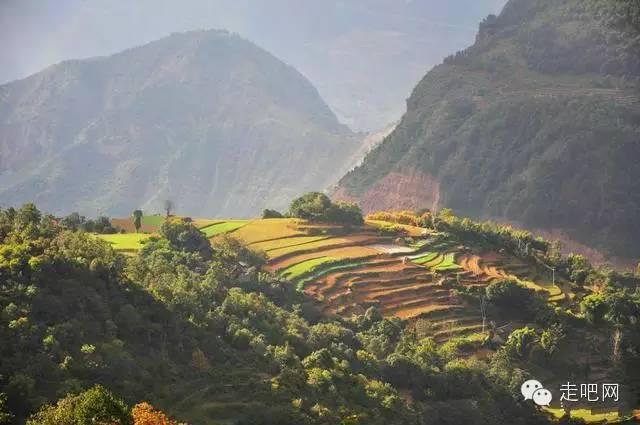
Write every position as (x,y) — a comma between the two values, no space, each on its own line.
(589,392)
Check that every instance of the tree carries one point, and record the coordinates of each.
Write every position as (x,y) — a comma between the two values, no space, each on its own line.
(345,213)
(520,342)
(73,221)
(511,297)
(310,206)
(146,414)
(271,214)
(316,206)
(103,225)
(137,219)
(551,338)
(168,206)
(594,307)
(94,406)
(5,416)
(199,361)
(183,235)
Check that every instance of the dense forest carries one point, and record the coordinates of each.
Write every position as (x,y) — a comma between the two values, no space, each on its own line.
(198,330)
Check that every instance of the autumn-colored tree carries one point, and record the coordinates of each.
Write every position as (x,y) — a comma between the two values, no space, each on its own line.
(146,414)
(199,361)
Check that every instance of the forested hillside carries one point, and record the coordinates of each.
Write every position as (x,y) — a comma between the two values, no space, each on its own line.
(537,124)
(205,119)
(196,330)
(222,330)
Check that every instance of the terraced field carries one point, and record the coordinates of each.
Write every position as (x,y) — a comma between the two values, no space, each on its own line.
(352,271)
(223,227)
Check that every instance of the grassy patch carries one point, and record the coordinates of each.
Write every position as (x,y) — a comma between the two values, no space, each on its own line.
(153,220)
(586,415)
(126,241)
(554,292)
(223,227)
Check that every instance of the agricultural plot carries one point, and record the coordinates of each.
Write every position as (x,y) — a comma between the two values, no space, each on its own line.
(394,249)
(305,267)
(424,258)
(437,261)
(338,266)
(269,229)
(125,242)
(223,227)
(295,241)
(354,252)
(321,245)
(351,273)
(204,222)
(448,263)
(150,223)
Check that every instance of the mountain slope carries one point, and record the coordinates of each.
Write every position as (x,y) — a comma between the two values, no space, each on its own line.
(537,123)
(205,119)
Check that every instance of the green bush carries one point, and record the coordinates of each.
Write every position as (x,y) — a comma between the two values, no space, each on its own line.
(316,206)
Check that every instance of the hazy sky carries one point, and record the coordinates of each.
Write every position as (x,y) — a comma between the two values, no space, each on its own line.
(332,42)
(35,34)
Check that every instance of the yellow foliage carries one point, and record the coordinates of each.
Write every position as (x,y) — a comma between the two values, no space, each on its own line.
(199,361)
(146,414)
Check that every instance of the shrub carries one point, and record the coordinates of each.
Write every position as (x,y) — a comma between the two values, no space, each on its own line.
(271,214)
(96,405)
(513,299)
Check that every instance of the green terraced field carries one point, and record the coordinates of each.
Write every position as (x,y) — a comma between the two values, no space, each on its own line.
(298,241)
(305,267)
(425,258)
(325,243)
(438,261)
(127,242)
(448,263)
(333,269)
(223,227)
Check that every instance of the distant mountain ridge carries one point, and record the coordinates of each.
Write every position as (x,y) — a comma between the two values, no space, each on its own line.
(538,124)
(336,44)
(206,119)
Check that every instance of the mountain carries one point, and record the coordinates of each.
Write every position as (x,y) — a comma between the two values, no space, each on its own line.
(205,119)
(537,124)
(334,43)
